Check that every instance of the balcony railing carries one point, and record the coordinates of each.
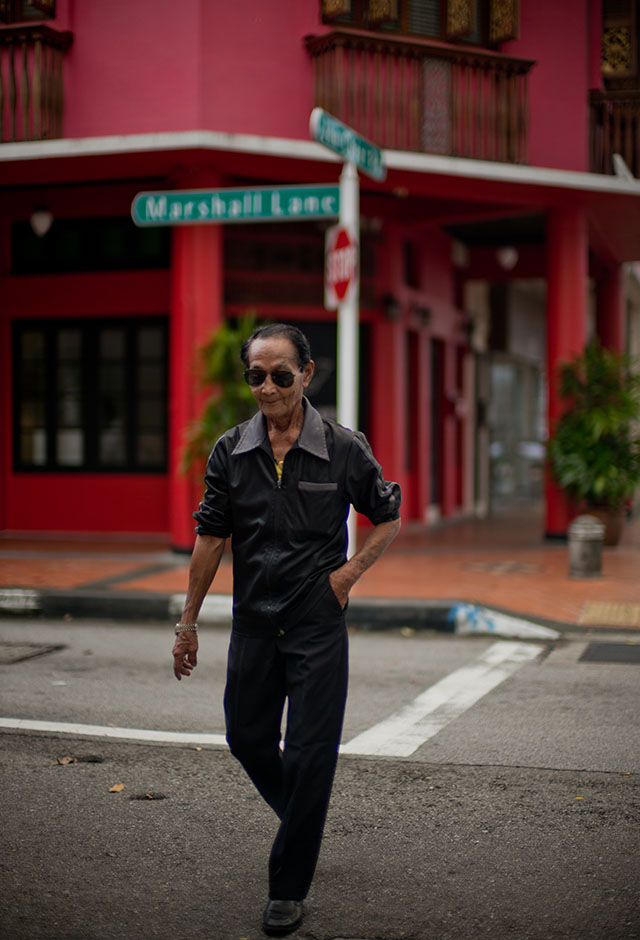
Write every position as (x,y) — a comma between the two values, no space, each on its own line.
(424,96)
(615,128)
(31,90)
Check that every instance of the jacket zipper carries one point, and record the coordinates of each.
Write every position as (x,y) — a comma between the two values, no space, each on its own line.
(276,521)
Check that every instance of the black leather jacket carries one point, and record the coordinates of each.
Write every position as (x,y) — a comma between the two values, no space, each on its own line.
(287,537)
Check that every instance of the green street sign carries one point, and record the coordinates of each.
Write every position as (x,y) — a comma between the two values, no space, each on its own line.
(344,140)
(262,204)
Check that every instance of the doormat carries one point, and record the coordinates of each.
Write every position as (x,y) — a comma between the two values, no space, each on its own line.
(599,613)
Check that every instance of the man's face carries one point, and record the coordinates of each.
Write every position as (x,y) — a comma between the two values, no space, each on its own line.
(278,354)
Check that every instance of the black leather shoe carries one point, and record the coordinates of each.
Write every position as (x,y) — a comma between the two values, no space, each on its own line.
(281,917)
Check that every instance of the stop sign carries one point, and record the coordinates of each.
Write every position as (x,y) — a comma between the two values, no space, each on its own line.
(341,265)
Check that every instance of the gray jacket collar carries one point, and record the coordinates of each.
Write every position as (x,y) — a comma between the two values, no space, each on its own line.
(311,438)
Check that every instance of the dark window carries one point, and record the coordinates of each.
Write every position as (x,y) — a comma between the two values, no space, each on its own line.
(411,265)
(276,264)
(78,245)
(90,395)
(19,11)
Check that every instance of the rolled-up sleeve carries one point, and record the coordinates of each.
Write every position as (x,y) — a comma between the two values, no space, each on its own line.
(213,516)
(366,488)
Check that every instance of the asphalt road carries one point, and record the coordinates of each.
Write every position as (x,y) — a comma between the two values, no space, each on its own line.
(513,811)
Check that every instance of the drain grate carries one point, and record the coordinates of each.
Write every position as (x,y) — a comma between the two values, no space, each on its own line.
(11,653)
(627,653)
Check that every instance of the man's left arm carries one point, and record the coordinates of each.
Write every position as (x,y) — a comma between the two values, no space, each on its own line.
(343,578)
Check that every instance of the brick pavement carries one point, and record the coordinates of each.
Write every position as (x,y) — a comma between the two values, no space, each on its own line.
(503,563)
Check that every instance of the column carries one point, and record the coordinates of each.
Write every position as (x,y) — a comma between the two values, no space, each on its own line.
(450,443)
(197,282)
(422,425)
(388,399)
(567,246)
(610,309)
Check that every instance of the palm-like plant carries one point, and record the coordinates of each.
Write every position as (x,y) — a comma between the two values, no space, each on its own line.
(230,401)
(595,448)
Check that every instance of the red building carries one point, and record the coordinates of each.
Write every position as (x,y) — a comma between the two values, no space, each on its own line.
(499,241)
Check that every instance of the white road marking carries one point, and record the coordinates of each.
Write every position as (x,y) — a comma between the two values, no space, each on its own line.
(105,731)
(404,732)
(399,735)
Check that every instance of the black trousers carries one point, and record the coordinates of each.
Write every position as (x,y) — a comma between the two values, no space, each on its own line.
(307,666)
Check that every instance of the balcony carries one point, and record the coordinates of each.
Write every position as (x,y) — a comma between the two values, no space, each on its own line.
(615,128)
(31,88)
(411,94)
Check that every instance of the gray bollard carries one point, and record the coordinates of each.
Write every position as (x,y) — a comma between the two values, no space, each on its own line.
(586,534)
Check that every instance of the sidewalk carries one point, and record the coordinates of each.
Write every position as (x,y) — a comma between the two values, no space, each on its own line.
(500,564)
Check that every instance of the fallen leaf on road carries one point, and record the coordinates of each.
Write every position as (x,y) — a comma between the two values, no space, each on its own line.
(67,760)
(118,788)
(579,798)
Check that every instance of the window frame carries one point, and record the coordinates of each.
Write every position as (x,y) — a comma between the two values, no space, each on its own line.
(89,382)
(360,20)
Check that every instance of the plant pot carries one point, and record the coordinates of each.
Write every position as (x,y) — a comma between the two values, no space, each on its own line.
(613,521)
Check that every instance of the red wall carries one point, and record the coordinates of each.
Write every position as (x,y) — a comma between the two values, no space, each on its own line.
(256,72)
(556,35)
(242,67)
(200,64)
(84,502)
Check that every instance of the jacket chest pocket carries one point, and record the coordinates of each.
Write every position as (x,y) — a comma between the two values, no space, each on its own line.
(317,506)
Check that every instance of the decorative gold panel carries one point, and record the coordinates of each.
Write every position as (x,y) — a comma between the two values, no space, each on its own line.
(48,7)
(504,20)
(461,18)
(617,53)
(381,11)
(332,8)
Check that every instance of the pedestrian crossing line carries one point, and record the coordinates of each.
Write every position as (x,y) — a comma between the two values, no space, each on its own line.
(399,735)
(404,732)
(107,731)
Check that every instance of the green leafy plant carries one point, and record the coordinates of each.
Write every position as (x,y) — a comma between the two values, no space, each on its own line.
(230,401)
(594,452)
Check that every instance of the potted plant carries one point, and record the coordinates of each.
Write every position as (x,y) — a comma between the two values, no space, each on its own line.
(594,451)
(230,400)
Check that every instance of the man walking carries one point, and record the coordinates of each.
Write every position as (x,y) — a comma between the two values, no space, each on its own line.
(281,486)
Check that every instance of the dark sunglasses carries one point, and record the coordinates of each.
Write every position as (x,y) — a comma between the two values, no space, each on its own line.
(255,377)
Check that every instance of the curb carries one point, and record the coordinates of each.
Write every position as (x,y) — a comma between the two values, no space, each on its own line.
(443,616)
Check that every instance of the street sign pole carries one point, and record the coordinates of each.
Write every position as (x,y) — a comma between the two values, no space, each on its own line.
(348,366)
(348,308)
(357,152)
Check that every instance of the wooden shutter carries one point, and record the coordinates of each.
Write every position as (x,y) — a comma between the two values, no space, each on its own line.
(618,39)
(383,11)
(461,18)
(504,20)
(331,8)
(424,18)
